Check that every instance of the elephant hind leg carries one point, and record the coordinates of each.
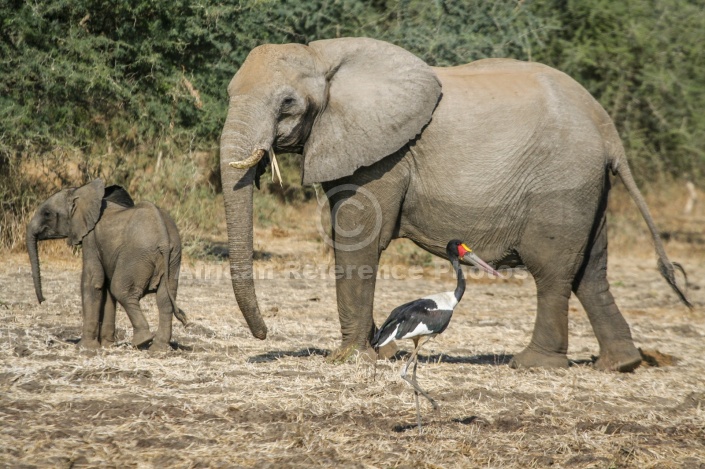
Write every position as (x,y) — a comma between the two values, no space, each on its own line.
(553,267)
(617,350)
(140,327)
(107,320)
(129,298)
(549,342)
(166,313)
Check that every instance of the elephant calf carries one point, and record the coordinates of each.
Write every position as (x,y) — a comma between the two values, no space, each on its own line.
(128,251)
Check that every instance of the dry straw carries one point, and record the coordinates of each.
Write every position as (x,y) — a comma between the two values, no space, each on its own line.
(224,399)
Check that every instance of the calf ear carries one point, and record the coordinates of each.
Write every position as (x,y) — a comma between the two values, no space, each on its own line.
(118,195)
(85,205)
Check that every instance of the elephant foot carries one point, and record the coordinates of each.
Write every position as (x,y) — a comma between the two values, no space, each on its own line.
(107,343)
(623,359)
(342,354)
(159,346)
(141,337)
(388,351)
(529,358)
(366,353)
(90,344)
(351,351)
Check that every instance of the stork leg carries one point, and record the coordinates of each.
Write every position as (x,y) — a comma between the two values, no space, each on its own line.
(412,381)
(416,395)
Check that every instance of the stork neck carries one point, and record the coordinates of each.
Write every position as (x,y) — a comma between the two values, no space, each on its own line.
(460,288)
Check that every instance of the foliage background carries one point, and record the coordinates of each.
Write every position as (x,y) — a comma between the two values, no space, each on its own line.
(135,91)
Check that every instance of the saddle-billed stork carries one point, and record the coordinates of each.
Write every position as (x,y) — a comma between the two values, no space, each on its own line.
(428,316)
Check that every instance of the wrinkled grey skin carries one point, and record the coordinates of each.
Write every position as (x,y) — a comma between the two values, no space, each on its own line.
(128,251)
(513,157)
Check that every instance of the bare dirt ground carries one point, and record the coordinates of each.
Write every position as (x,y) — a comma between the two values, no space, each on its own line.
(225,399)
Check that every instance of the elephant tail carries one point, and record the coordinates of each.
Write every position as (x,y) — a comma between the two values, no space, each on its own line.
(166,251)
(665,266)
(178,312)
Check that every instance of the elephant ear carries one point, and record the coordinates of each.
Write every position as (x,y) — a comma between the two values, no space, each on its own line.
(118,195)
(380,97)
(85,205)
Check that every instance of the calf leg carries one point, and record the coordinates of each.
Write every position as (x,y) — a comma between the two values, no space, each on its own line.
(140,328)
(166,313)
(92,293)
(128,296)
(107,320)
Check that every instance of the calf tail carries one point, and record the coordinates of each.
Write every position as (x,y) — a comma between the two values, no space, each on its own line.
(178,312)
(166,251)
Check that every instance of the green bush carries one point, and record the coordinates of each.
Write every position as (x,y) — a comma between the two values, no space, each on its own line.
(92,87)
(644,61)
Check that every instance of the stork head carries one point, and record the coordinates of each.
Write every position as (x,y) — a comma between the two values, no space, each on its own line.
(456,250)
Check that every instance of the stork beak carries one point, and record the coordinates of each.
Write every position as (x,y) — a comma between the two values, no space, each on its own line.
(472,258)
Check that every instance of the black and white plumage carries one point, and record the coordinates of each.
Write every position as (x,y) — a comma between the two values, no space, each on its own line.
(427,317)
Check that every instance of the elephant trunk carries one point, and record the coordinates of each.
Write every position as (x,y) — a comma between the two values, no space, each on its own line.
(31,239)
(236,144)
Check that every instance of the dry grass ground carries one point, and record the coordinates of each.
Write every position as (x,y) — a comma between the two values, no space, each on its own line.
(224,399)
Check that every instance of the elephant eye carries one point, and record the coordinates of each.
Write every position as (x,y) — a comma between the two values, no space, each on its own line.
(46,213)
(288,104)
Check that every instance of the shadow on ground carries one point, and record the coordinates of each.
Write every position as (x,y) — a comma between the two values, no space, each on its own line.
(277,354)
(495,359)
(402,427)
(215,250)
(487,359)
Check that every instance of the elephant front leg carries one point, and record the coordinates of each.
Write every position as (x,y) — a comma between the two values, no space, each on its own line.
(92,295)
(356,274)
(364,213)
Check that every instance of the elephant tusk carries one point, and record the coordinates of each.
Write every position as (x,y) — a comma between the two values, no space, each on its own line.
(275,167)
(249,162)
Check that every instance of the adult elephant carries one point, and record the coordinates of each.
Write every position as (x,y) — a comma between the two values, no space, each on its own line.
(513,157)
